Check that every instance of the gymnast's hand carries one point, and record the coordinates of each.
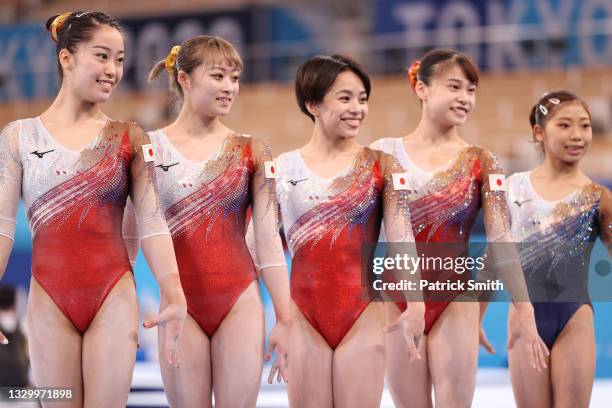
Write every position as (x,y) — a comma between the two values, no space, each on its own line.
(412,324)
(3,339)
(524,334)
(279,342)
(172,314)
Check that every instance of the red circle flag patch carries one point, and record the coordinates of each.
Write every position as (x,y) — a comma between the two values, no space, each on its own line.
(148,152)
(497,182)
(270,169)
(400,181)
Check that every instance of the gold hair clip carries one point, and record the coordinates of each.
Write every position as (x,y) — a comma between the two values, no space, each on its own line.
(57,23)
(171,59)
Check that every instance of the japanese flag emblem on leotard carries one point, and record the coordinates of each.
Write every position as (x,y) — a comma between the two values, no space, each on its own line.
(497,182)
(270,169)
(400,181)
(148,152)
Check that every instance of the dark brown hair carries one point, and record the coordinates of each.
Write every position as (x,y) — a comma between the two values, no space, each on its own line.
(436,61)
(78,27)
(201,49)
(317,74)
(546,107)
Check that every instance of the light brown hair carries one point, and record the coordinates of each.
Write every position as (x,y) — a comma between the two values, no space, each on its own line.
(198,50)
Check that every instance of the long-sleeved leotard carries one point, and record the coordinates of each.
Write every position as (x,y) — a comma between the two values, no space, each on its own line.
(444,205)
(75,202)
(326,221)
(205,204)
(553,240)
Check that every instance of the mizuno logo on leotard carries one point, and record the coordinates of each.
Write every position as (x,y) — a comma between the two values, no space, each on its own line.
(165,167)
(41,154)
(520,203)
(294,182)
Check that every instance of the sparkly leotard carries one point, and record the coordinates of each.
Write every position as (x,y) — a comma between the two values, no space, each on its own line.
(205,204)
(443,207)
(552,238)
(75,202)
(326,221)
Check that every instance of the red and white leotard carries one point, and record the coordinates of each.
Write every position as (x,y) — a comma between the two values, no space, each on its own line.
(326,221)
(205,204)
(444,204)
(75,202)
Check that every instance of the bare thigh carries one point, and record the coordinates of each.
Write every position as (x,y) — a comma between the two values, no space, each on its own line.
(310,365)
(453,354)
(361,351)
(409,382)
(55,347)
(190,385)
(109,347)
(531,388)
(573,361)
(237,352)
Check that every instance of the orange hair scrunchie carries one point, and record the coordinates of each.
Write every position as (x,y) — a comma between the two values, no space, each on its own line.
(413,73)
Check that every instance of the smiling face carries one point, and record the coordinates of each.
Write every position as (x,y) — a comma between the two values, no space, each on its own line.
(449,98)
(211,90)
(96,67)
(567,133)
(343,108)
